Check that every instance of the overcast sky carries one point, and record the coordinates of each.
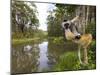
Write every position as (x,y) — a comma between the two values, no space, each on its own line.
(42,9)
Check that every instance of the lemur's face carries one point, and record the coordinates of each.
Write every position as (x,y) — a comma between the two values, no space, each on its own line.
(66,25)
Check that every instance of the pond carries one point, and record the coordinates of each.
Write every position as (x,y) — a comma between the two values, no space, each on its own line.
(38,57)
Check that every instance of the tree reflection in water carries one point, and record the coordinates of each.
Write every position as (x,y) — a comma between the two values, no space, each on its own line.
(24,58)
(38,57)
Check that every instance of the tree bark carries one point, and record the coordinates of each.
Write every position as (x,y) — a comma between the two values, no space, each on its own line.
(87,15)
(83,21)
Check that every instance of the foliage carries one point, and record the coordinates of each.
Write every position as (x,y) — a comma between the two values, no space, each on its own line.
(58,40)
(69,61)
(20,35)
(23,15)
(92,55)
(91,28)
(19,38)
(41,34)
(22,41)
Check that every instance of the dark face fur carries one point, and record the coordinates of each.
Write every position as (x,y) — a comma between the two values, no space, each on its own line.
(66,25)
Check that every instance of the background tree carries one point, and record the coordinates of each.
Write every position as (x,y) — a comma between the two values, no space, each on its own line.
(24,16)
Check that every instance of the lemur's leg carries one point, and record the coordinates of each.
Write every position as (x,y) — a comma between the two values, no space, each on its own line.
(79,54)
(85,56)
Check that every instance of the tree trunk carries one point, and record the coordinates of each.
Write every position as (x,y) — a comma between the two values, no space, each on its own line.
(83,20)
(87,15)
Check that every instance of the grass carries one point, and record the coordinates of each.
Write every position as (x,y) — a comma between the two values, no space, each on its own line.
(69,60)
(23,40)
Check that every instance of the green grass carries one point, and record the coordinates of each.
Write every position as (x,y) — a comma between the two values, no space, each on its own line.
(69,60)
(23,40)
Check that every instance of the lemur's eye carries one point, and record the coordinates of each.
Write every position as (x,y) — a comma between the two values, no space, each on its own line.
(67,23)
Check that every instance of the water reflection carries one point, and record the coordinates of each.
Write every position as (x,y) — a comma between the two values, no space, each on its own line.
(56,50)
(38,57)
(25,58)
(27,48)
(43,60)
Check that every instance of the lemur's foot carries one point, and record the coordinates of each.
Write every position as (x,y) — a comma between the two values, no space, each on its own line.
(77,37)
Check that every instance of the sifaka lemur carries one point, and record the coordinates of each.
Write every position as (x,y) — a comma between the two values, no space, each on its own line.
(83,40)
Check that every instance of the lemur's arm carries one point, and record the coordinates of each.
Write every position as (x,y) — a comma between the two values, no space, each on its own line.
(75,19)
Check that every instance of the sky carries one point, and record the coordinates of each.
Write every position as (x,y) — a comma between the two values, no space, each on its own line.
(42,9)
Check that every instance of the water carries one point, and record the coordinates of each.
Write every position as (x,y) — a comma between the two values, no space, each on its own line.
(38,57)
(43,60)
